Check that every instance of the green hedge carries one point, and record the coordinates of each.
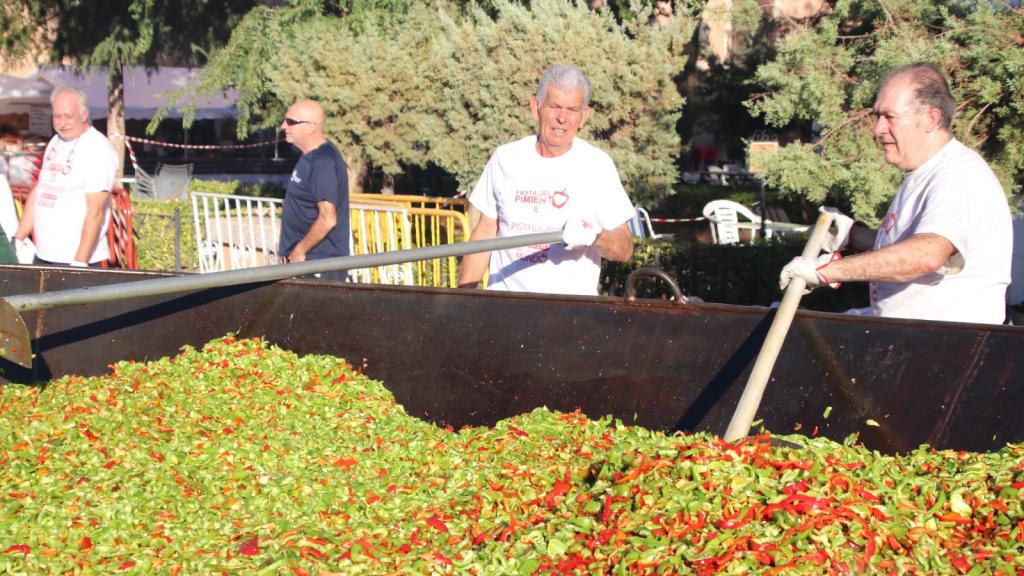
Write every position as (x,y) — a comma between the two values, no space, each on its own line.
(236,188)
(728,274)
(688,200)
(155,223)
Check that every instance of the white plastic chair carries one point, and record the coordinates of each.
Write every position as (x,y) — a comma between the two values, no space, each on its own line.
(717,176)
(171,181)
(723,215)
(143,184)
(640,225)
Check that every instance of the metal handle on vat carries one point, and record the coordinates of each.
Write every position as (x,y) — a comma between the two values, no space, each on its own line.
(657,273)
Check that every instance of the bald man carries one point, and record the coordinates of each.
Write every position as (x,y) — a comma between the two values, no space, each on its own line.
(315,222)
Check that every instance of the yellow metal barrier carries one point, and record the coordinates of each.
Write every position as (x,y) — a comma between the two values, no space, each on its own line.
(433,227)
(385,227)
(434,221)
(381,228)
(412,201)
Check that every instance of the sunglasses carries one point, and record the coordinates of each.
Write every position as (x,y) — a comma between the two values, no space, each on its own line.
(294,122)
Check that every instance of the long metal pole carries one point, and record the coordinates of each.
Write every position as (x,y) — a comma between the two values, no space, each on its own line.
(177,238)
(191,282)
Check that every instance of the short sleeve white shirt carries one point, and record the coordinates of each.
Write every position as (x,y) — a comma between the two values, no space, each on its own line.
(70,170)
(528,193)
(954,195)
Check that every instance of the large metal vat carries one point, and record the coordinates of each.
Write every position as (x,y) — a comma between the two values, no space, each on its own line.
(470,357)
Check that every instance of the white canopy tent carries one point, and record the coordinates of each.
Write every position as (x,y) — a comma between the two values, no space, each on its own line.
(144,92)
(17,95)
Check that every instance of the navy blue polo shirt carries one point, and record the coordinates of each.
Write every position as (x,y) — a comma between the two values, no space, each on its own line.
(319,176)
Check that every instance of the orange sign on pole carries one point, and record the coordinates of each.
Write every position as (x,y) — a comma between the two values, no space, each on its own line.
(757,152)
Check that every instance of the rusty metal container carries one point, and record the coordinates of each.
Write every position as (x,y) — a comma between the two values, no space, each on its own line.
(470,357)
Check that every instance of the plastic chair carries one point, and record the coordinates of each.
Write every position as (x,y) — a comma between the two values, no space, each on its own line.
(171,181)
(640,225)
(142,186)
(717,176)
(723,215)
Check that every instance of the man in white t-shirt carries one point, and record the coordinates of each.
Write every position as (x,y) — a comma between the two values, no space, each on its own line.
(546,182)
(66,211)
(944,249)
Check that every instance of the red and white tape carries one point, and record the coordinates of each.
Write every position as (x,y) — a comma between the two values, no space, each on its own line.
(135,163)
(198,146)
(131,156)
(697,219)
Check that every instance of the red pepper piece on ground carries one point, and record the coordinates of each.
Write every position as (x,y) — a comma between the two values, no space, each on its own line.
(250,547)
(437,524)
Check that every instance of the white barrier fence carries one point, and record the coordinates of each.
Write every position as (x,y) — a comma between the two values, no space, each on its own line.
(235,232)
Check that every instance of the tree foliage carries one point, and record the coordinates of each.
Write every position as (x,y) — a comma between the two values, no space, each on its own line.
(117,33)
(112,34)
(719,89)
(829,70)
(445,83)
(632,69)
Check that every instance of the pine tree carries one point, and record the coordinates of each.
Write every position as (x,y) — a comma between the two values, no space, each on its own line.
(829,70)
(446,84)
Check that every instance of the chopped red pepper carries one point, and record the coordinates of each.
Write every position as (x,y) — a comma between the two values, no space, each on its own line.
(437,524)
(250,547)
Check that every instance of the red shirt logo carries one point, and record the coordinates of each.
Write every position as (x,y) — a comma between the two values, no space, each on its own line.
(888,224)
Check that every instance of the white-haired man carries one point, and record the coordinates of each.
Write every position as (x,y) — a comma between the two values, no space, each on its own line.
(550,181)
(66,212)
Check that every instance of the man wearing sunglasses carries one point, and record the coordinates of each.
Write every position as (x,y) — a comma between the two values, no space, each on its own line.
(315,220)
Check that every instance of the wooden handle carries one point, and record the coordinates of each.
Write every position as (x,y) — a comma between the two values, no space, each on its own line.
(739,426)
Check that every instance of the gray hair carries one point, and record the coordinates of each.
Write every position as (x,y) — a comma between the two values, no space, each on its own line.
(83,100)
(930,88)
(564,77)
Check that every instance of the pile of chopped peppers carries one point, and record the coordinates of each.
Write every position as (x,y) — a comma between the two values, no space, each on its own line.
(242,458)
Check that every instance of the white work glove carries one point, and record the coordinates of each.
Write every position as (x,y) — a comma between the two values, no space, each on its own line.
(579,234)
(810,271)
(838,237)
(25,250)
(78,264)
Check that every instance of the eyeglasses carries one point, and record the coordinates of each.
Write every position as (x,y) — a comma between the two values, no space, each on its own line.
(294,122)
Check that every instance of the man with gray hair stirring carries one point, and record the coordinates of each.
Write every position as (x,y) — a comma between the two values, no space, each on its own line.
(944,249)
(551,181)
